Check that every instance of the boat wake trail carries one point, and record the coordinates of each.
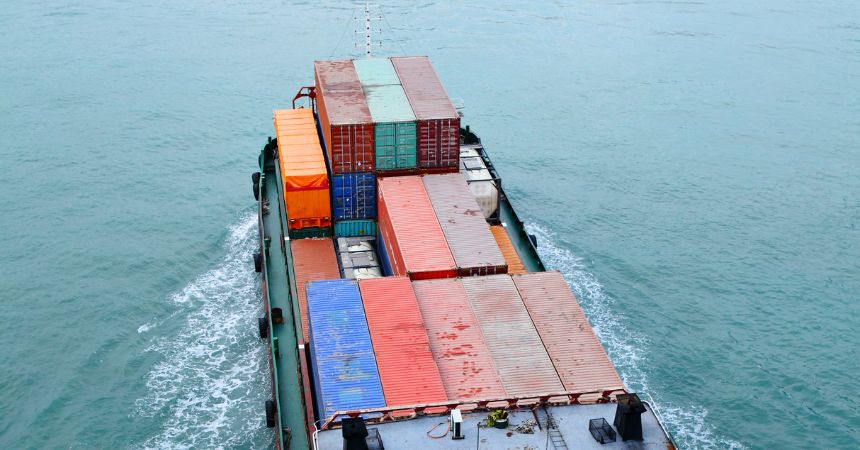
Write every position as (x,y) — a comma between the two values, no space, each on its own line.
(210,382)
(625,347)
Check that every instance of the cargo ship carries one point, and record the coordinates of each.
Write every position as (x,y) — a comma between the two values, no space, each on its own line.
(405,305)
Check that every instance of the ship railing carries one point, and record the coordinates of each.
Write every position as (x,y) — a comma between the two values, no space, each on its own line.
(397,413)
(310,93)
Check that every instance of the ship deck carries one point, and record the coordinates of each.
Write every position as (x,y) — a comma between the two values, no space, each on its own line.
(571,432)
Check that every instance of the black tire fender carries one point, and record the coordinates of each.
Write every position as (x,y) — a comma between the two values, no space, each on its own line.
(255,182)
(271,414)
(263,324)
(258,262)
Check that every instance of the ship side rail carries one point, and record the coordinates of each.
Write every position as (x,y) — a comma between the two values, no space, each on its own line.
(397,413)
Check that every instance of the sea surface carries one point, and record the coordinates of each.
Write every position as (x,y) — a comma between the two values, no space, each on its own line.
(692,167)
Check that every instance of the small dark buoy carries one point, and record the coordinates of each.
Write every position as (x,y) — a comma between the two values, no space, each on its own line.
(271,413)
(264,327)
(277,315)
(258,262)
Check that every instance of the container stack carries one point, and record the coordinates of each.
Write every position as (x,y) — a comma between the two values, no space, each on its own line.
(347,129)
(393,119)
(342,360)
(438,123)
(358,259)
(414,244)
(313,259)
(303,173)
(472,244)
(407,369)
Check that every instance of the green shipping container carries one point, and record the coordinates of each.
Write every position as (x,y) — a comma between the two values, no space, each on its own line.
(394,130)
(375,72)
(310,232)
(355,228)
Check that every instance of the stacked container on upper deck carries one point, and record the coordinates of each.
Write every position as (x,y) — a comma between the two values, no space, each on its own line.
(393,119)
(303,171)
(438,123)
(347,127)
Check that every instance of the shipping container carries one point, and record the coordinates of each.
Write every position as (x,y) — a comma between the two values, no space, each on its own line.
(341,353)
(512,258)
(520,358)
(350,228)
(345,119)
(483,185)
(458,346)
(579,359)
(414,242)
(407,369)
(353,196)
(375,71)
(303,169)
(438,122)
(394,127)
(313,259)
(468,235)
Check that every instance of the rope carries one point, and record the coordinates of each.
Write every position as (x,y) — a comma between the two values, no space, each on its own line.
(437,426)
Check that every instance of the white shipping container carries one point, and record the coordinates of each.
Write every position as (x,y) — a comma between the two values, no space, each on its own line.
(480,181)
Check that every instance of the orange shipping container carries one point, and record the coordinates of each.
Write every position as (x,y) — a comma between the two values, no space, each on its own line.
(515,265)
(313,260)
(303,170)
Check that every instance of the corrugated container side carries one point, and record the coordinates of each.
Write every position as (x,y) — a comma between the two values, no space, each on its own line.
(303,169)
(344,117)
(354,196)
(384,262)
(438,121)
(394,129)
(518,353)
(468,235)
(353,228)
(414,240)
(456,341)
(515,264)
(569,339)
(313,259)
(407,370)
(340,349)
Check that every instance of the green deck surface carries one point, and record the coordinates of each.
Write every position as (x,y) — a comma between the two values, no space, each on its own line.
(289,393)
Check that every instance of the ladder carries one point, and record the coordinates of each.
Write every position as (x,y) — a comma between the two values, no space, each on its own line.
(553,434)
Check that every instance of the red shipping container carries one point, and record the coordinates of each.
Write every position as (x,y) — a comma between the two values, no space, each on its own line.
(344,117)
(569,339)
(468,235)
(313,260)
(518,353)
(413,238)
(407,370)
(438,132)
(458,346)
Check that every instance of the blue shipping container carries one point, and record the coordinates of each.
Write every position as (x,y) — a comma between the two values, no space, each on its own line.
(354,196)
(355,228)
(341,352)
(384,263)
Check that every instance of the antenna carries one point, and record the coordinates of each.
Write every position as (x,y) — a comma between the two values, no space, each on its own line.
(367,29)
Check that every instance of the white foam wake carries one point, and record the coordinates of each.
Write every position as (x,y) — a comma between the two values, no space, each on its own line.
(625,347)
(211,382)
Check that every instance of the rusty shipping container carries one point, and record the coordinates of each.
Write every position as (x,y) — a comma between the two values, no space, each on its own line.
(438,131)
(468,235)
(414,242)
(515,264)
(344,117)
(407,369)
(456,341)
(313,260)
(520,358)
(572,345)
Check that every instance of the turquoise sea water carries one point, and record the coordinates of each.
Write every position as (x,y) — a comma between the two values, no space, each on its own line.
(692,167)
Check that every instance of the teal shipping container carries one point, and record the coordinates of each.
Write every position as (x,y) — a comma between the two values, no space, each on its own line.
(395,136)
(375,71)
(355,228)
